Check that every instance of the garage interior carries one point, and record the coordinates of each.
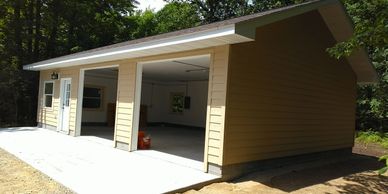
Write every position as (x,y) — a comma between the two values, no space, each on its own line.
(174,104)
(99,103)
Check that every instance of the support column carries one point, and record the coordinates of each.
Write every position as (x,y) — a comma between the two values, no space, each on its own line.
(125,106)
(215,123)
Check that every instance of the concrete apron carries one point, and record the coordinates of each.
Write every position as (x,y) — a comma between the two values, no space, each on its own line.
(87,166)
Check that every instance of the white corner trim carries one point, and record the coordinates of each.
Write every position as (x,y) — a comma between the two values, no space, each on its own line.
(80,95)
(136,107)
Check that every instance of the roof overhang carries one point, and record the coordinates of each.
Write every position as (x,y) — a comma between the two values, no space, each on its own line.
(198,40)
(232,31)
(341,28)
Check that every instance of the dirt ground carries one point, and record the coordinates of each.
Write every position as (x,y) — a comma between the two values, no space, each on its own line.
(370,149)
(18,177)
(356,175)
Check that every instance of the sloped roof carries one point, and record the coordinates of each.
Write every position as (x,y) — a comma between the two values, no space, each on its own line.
(232,31)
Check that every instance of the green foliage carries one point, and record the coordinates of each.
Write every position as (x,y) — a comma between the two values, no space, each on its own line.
(370,26)
(34,30)
(384,169)
(263,5)
(371,136)
(212,10)
(145,24)
(371,32)
(176,16)
(173,16)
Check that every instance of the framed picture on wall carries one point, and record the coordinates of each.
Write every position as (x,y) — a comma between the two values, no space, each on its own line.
(177,101)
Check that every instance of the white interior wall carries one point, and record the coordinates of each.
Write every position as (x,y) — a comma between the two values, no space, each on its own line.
(158,102)
(110,95)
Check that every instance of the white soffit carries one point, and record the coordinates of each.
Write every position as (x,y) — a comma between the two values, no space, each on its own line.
(197,40)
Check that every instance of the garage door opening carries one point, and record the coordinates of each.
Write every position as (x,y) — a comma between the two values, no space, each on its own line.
(174,104)
(99,103)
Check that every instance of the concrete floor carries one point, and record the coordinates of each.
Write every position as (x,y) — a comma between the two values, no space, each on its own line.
(98,131)
(179,141)
(88,166)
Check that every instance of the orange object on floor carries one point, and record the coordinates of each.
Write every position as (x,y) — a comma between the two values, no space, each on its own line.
(143,142)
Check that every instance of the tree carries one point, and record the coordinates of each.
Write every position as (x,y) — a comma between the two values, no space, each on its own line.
(33,30)
(371,32)
(264,5)
(145,24)
(370,26)
(176,16)
(212,10)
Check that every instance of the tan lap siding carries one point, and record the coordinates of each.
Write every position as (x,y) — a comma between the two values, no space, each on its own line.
(49,116)
(125,102)
(286,96)
(217,102)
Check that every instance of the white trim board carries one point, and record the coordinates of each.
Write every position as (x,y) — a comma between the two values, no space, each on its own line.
(197,40)
(136,109)
(80,95)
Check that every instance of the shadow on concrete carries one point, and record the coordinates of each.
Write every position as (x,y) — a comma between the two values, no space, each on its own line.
(18,129)
(98,131)
(358,183)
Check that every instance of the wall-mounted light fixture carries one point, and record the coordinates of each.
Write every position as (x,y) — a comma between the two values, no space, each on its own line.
(54,75)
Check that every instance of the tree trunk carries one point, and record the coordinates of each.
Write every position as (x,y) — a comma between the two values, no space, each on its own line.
(54,31)
(18,53)
(70,37)
(17,31)
(30,29)
(37,30)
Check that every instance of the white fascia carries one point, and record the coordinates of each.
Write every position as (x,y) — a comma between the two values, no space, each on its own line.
(171,41)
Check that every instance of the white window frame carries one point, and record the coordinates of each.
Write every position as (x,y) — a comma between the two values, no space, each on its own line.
(44,95)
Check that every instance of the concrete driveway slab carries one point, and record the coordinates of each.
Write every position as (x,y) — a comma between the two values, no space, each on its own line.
(87,166)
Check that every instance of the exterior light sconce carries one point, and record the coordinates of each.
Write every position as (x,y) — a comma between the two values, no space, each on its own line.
(54,75)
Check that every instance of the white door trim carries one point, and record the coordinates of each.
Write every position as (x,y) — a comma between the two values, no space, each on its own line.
(80,95)
(137,101)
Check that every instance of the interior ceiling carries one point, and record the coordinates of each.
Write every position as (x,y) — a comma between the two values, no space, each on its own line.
(182,69)
(105,72)
(173,70)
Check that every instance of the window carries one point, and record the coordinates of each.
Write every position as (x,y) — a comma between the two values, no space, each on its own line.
(177,102)
(48,93)
(92,97)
